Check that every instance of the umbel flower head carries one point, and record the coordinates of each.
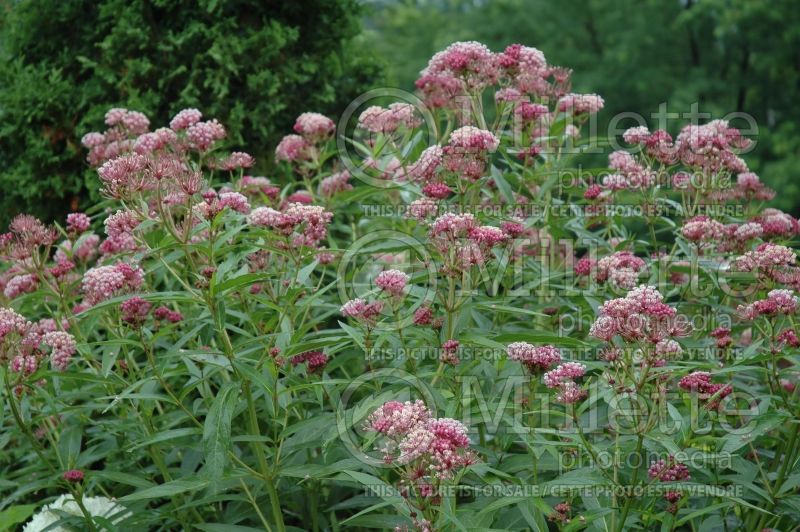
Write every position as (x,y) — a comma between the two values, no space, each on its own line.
(563,379)
(640,315)
(436,447)
(303,225)
(535,359)
(393,282)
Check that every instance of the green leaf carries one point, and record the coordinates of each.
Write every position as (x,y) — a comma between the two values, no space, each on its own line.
(503,185)
(765,422)
(123,478)
(69,444)
(167,435)
(240,281)
(253,376)
(167,490)
(217,432)
(538,339)
(223,527)
(15,515)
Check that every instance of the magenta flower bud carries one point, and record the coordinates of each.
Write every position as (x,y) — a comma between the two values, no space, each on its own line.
(73,475)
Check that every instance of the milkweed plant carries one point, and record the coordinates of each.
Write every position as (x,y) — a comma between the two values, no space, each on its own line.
(439,313)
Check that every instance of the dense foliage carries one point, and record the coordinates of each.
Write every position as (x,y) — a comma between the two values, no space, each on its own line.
(255,65)
(433,320)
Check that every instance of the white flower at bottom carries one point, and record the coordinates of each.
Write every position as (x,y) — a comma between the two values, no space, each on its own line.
(96,506)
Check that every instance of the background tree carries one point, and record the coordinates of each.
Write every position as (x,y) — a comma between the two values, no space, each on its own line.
(253,65)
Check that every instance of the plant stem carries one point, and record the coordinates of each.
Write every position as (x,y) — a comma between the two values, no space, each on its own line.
(269,482)
(629,500)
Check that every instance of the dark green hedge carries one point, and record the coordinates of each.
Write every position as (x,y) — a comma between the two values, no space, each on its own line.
(254,65)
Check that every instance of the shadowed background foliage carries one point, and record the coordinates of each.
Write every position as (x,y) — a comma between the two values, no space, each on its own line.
(257,65)
(253,65)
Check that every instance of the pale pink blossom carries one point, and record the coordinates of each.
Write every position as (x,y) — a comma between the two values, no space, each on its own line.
(535,358)
(185,118)
(392,282)
(314,126)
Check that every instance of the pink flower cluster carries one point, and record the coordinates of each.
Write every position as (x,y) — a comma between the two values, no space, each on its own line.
(21,284)
(771,262)
(527,71)
(632,174)
(335,183)
(166,314)
(437,447)
(203,135)
(658,144)
(185,118)
(712,147)
(12,322)
(462,66)
(361,310)
(134,121)
(722,336)
(449,352)
(668,470)
(700,382)
(702,230)
(376,119)
(393,282)
(293,148)
(160,139)
(128,132)
(423,316)
(235,161)
(745,232)
(214,204)
(640,315)
(123,175)
(77,223)
(73,475)
(62,346)
(621,269)
(580,104)
(395,419)
(135,311)
(766,256)
(314,360)
(563,378)
(467,68)
(426,168)
(462,242)
(304,225)
(749,187)
(120,227)
(776,223)
(777,302)
(312,130)
(28,341)
(534,358)
(314,126)
(466,153)
(437,191)
(26,235)
(422,209)
(103,282)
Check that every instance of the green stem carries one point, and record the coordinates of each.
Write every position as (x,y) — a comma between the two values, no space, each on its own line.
(269,482)
(629,499)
